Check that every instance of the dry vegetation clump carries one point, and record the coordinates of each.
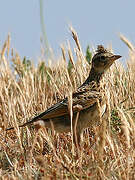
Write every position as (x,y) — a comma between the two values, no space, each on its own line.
(26,90)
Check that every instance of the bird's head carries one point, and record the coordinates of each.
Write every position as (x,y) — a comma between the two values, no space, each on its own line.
(103,59)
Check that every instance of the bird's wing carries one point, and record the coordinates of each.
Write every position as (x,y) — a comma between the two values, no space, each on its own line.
(56,110)
(83,98)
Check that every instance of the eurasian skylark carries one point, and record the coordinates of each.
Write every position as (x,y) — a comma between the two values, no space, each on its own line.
(85,101)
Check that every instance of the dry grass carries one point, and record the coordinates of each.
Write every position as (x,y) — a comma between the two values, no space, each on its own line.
(29,154)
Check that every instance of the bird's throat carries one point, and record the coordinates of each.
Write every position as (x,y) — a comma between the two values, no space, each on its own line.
(94,76)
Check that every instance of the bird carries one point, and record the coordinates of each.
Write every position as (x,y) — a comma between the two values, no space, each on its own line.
(88,101)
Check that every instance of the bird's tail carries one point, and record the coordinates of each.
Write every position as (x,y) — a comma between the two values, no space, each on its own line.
(25,124)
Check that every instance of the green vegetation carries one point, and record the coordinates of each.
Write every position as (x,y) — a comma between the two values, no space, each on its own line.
(88,54)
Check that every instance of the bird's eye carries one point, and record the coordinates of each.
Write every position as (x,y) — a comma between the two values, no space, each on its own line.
(102,58)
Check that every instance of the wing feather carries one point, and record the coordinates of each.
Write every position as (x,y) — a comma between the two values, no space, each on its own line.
(85,99)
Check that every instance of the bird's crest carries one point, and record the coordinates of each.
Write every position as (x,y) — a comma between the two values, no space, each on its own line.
(101,49)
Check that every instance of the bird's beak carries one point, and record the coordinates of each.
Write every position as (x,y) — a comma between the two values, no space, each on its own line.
(115,57)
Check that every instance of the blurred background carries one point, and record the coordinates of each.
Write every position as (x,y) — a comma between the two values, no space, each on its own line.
(96,22)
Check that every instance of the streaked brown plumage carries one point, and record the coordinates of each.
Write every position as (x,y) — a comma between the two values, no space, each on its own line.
(86,100)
